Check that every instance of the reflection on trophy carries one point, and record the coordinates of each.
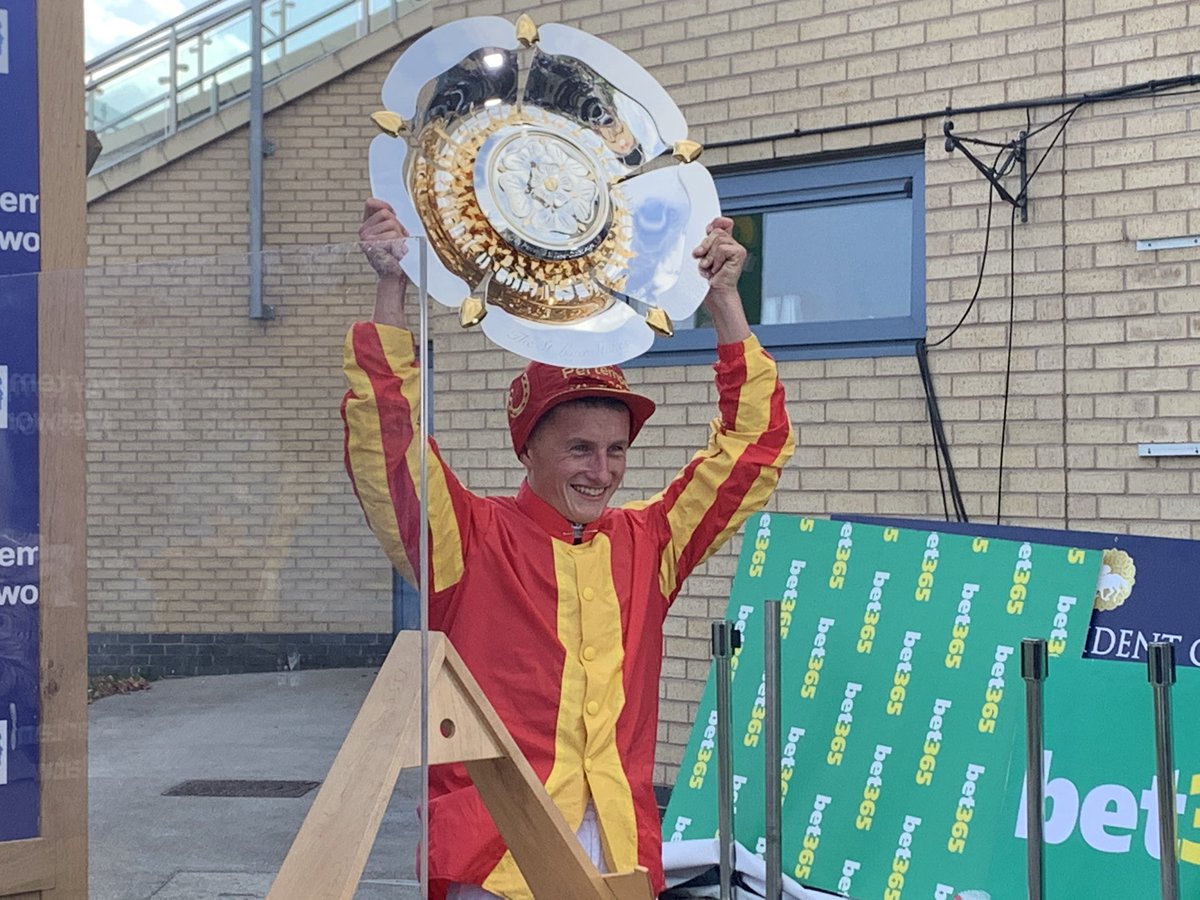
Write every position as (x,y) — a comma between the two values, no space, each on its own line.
(554,182)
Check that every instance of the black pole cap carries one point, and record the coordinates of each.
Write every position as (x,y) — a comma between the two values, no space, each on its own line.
(1160,662)
(1035,660)
(720,639)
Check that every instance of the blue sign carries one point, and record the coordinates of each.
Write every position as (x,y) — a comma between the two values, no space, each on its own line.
(20,260)
(1147,590)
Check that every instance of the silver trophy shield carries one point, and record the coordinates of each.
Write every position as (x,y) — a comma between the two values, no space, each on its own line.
(553,178)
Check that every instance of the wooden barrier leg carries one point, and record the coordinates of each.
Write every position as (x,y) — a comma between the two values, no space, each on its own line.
(327,858)
(329,853)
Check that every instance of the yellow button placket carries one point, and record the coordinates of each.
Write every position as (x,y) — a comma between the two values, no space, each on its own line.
(600,643)
(600,655)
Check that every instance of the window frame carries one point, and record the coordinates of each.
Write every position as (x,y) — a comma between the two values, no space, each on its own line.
(793,185)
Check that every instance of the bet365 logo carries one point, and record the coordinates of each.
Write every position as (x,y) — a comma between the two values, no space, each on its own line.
(1109,815)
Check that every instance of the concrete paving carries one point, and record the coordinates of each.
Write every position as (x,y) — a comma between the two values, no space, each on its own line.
(285,726)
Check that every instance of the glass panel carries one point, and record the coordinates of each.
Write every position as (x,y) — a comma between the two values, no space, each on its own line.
(826,263)
(129,107)
(232,572)
(216,47)
(129,96)
(315,21)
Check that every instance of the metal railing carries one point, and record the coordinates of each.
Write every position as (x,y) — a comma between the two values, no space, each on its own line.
(191,67)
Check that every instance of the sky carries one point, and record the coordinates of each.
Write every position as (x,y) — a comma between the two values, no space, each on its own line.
(108,23)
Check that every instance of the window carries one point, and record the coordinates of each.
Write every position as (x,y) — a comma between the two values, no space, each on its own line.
(836,263)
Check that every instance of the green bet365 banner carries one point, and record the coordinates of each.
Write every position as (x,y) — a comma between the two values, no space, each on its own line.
(902,719)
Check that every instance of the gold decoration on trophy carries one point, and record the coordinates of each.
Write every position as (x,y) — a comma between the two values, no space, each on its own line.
(527,30)
(659,322)
(543,228)
(471,312)
(687,151)
(389,123)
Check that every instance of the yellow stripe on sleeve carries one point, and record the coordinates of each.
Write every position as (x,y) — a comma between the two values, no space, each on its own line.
(369,463)
(446,556)
(367,466)
(718,462)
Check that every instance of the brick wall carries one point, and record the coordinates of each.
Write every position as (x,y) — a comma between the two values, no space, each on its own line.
(217,502)
(173,653)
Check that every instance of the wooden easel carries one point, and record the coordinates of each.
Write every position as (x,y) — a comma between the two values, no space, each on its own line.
(328,855)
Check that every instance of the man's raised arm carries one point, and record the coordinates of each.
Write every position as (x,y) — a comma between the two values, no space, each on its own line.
(381,237)
(721,259)
(382,411)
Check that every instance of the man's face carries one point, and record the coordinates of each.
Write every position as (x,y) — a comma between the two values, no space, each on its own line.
(575,458)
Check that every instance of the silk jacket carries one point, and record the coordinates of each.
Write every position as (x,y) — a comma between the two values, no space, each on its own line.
(564,635)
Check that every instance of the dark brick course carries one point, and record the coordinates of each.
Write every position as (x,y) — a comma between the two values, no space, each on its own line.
(165,655)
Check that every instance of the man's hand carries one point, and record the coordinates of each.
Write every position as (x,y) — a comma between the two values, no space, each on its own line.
(381,238)
(721,259)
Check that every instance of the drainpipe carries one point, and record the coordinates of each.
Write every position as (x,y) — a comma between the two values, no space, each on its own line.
(257,309)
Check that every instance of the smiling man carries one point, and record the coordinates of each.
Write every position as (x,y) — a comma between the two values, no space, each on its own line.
(571,428)
(554,598)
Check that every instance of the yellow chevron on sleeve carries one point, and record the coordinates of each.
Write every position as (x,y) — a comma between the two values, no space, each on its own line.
(718,461)
(756,496)
(667,578)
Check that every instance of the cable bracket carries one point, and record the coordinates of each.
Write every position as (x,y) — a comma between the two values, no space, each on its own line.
(1017,156)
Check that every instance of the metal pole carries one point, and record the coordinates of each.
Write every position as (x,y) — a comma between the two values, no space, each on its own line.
(723,639)
(257,309)
(1160,660)
(772,785)
(1034,669)
(364,18)
(173,83)
(283,26)
(426,386)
